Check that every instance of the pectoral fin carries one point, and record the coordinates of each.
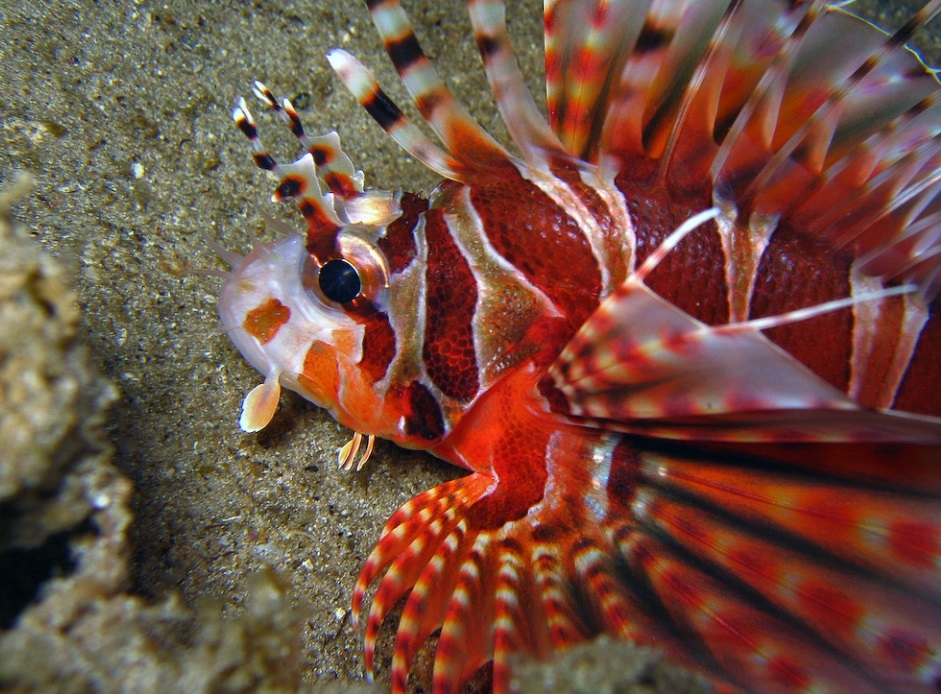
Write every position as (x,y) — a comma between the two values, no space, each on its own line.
(260,404)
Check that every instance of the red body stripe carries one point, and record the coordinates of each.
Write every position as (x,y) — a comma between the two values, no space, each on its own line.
(921,388)
(523,224)
(398,244)
(451,299)
(424,420)
(378,341)
(691,277)
(794,274)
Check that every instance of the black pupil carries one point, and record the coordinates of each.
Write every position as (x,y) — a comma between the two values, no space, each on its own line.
(339,281)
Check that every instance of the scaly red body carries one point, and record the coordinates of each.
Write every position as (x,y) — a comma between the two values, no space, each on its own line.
(687,343)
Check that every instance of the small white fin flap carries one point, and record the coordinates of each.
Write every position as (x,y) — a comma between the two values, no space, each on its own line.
(260,404)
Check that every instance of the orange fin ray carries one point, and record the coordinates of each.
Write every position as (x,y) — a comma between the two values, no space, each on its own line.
(751,569)
(517,627)
(424,611)
(411,540)
(808,515)
(466,639)
(742,643)
(399,532)
(748,544)
(404,571)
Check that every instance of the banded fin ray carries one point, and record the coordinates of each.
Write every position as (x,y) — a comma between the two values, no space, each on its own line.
(641,365)
(461,134)
(723,99)
(527,126)
(363,85)
(763,572)
(673,480)
(325,212)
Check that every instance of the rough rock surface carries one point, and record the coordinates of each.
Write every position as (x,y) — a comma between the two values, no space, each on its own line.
(65,515)
(52,473)
(605,666)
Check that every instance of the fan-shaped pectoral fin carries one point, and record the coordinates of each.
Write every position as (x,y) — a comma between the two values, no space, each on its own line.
(641,365)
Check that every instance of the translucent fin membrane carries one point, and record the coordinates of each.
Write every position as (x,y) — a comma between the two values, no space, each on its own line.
(364,87)
(446,116)
(641,365)
(470,151)
(786,571)
(736,100)
(526,125)
(325,213)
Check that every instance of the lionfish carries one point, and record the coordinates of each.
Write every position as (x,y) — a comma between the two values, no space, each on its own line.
(685,338)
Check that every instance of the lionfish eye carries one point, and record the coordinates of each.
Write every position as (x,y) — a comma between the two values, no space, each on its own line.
(353,276)
(339,281)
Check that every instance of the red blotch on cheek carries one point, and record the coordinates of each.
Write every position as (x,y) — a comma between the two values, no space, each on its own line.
(264,321)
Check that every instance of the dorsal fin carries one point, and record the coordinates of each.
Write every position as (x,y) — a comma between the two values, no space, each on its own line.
(526,125)
(457,129)
(735,100)
(363,85)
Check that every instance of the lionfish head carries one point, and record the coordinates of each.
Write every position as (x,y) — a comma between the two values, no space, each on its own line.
(284,310)
(312,313)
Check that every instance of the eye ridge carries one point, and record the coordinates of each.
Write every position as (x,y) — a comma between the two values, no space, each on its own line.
(340,281)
